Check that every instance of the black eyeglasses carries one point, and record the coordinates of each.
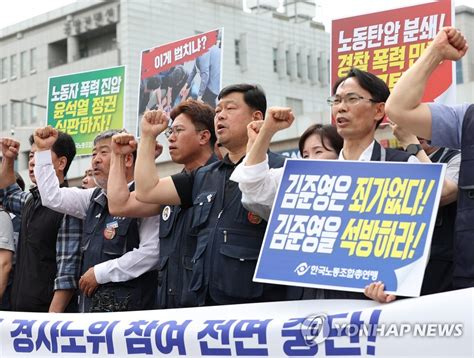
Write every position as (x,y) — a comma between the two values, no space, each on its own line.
(177,130)
(351,99)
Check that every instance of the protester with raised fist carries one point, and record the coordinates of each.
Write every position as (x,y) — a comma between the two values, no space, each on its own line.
(48,258)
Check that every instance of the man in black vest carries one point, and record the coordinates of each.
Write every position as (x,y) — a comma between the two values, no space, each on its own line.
(228,237)
(119,253)
(191,139)
(446,126)
(48,256)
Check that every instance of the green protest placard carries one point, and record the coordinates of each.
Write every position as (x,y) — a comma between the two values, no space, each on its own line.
(87,103)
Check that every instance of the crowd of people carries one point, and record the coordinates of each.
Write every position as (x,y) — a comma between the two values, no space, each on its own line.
(129,239)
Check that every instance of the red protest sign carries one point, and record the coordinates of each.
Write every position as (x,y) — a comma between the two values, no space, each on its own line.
(162,58)
(387,43)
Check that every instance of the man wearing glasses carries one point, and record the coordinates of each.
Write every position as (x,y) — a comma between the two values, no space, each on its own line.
(191,140)
(358,108)
(228,237)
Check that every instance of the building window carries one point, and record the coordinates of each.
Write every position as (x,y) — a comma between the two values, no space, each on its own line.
(97,41)
(298,65)
(3,117)
(459,76)
(287,57)
(23,65)
(3,69)
(275,60)
(310,69)
(33,60)
(14,113)
(57,53)
(295,104)
(33,111)
(13,67)
(320,70)
(23,112)
(328,71)
(237,51)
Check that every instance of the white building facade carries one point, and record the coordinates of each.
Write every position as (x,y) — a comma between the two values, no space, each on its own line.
(286,53)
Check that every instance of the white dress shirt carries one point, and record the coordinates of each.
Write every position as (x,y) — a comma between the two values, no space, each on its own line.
(367,154)
(259,183)
(75,202)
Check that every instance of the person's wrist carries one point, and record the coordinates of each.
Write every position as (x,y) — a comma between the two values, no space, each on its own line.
(268,131)
(413,149)
(8,160)
(43,144)
(411,139)
(42,148)
(118,156)
(148,137)
(435,54)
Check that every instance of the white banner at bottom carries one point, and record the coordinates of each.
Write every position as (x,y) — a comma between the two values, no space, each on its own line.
(436,325)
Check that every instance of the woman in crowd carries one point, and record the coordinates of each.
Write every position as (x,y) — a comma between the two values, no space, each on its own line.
(317,142)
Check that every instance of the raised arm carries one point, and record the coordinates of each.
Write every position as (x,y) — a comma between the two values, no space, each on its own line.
(12,198)
(10,150)
(257,182)
(450,188)
(404,105)
(277,118)
(70,201)
(405,138)
(149,188)
(121,201)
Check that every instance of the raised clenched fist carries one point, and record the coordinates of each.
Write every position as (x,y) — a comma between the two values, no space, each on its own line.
(45,137)
(10,148)
(153,123)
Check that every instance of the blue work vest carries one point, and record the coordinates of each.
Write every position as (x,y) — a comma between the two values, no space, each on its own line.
(107,237)
(176,252)
(464,238)
(439,271)
(228,240)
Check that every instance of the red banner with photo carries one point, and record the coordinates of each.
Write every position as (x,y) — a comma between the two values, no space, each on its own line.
(162,58)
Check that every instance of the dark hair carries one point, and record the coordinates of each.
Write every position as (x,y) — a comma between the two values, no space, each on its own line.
(20,181)
(177,75)
(200,114)
(325,132)
(254,96)
(377,88)
(64,146)
(153,83)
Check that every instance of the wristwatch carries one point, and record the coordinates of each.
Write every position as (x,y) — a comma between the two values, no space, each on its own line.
(413,149)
